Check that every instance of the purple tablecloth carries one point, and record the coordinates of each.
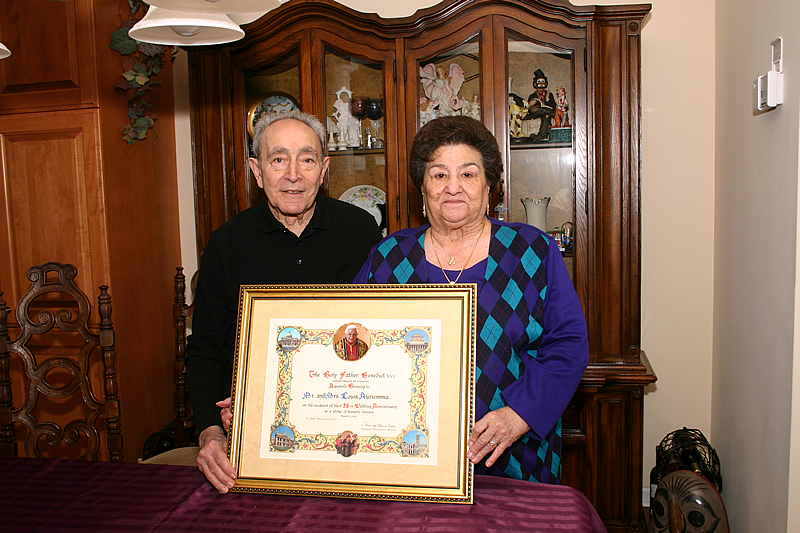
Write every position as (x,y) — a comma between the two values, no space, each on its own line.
(57,495)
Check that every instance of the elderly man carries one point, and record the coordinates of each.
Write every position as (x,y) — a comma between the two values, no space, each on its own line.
(295,237)
(351,348)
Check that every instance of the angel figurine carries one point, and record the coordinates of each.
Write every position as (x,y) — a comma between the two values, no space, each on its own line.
(443,88)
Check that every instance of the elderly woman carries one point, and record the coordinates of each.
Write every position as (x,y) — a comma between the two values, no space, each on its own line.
(532,343)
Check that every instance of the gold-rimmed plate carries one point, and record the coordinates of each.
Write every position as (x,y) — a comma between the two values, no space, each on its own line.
(274,102)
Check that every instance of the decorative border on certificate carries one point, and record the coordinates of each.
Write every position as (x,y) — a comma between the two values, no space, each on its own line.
(360,391)
(329,391)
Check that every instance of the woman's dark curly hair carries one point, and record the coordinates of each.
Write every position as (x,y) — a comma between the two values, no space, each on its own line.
(451,131)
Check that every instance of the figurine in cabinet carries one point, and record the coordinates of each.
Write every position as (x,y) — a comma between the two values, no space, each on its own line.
(562,106)
(332,131)
(540,90)
(442,88)
(516,112)
(472,108)
(541,104)
(426,110)
(348,125)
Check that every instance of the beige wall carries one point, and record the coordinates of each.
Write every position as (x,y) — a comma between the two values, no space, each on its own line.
(755,271)
(719,233)
(793,519)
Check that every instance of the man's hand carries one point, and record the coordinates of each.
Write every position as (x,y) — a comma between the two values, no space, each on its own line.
(213,461)
(225,413)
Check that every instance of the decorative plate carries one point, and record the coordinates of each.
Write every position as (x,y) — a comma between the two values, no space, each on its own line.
(366,197)
(275,102)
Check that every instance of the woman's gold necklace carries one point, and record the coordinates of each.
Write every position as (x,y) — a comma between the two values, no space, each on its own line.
(452,260)
(453,282)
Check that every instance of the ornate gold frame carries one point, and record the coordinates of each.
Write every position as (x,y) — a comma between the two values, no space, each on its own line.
(391,423)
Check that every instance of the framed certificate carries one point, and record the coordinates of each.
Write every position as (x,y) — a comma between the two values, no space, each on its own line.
(355,391)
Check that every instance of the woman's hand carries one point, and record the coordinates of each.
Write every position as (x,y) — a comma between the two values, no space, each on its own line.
(494,433)
(226,414)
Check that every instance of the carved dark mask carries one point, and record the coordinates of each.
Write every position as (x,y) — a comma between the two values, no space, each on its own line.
(686,503)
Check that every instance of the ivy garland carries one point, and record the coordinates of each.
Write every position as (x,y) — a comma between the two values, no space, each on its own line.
(141,63)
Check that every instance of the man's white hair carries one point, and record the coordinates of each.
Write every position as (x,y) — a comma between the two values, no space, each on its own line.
(351,326)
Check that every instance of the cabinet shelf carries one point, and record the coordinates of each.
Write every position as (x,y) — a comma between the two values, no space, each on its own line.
(356,151)
(535,145)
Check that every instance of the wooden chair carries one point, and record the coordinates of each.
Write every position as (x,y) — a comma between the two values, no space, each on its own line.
(176,444)
(57,354)
(185,434)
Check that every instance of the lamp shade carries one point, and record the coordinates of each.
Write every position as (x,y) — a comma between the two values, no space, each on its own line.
(164,26)
(4,51)
(218,6)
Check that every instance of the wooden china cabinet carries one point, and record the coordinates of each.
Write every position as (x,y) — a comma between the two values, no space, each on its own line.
(485,56)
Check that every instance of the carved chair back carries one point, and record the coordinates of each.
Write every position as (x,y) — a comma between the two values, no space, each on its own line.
(58,358)
(181,312)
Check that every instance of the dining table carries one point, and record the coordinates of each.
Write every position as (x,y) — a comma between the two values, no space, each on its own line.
(67,495)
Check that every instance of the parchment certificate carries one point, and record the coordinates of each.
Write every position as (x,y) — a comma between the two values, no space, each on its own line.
(380,406)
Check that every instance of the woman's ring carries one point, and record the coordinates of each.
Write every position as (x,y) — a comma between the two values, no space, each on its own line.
(492,444)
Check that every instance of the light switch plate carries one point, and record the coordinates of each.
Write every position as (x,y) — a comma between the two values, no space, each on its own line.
(768,89)
(777,54)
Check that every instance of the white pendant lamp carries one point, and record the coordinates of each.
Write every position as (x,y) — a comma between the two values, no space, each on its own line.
(4,51)
(218,6)
(176,28)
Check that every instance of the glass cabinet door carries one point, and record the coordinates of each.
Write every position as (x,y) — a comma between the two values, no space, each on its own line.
(541,158)
(273,88)
(444,79)
(355,108)
(349,97)
(450,83)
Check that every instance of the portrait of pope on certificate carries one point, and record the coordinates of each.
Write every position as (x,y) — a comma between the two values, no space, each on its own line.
(350,348)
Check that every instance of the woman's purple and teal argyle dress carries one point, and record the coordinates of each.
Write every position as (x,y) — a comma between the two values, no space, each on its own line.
(532,345)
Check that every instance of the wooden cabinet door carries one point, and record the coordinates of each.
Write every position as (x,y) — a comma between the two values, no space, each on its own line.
(322,71)
(302,59)
(51,198)
(367,174)
(53,60)
(602,432)
(51,209)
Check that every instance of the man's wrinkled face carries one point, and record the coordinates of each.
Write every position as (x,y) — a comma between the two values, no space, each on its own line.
(351,335)
(291,167)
